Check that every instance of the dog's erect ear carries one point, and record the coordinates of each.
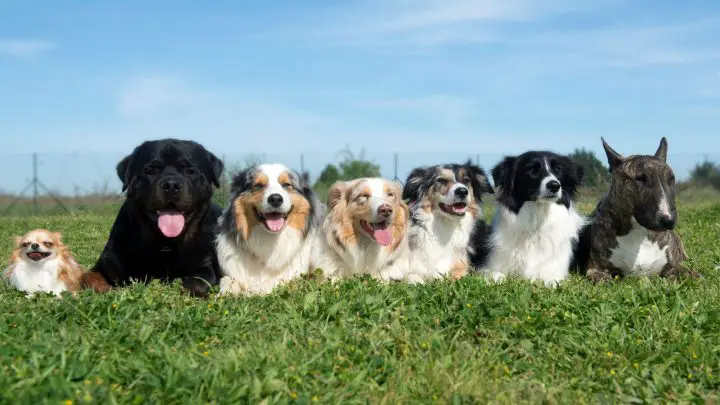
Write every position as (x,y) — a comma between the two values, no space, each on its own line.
(57,236)
(336,194)
(123,171)
(661,152)
(614,158)
(18,241)
(217,166)
(503,172)
(413,184)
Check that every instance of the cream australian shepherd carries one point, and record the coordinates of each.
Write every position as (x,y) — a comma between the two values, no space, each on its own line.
(267,231)
(364,231)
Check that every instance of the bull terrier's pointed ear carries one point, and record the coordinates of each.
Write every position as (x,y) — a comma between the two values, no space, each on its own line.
(661,152)
(614,158)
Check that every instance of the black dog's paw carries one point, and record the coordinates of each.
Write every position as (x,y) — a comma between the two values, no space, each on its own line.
(197,287)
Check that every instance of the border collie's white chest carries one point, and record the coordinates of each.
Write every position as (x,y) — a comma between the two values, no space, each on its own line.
(636,255)
(537,243)
(41,277)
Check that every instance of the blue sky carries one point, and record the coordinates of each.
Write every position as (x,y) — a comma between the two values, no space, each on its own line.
(83,82)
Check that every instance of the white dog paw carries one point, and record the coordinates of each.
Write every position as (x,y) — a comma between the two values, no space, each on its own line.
(231,286)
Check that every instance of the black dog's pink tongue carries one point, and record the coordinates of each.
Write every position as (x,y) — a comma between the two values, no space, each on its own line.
(171,223)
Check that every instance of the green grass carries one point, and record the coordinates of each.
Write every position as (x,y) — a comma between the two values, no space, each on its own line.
(361,341)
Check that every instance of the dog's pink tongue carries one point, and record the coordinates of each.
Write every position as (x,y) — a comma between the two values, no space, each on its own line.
(275,224)
(383,236)
(171,223)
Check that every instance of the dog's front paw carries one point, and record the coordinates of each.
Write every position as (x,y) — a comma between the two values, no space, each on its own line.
(680,271)
(95,281)
(497,276)
(231,286)
(414,278)
(196,286)
(598,276)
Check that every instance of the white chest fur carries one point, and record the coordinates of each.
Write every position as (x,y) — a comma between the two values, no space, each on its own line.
(38,277)
(437,245)
(636,255)
(263,262)
(537,243)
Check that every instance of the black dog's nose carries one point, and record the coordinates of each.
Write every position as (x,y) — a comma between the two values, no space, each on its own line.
(666,222)
(171,186)
(35,246)
(461,192)
(553,186)
(275,200)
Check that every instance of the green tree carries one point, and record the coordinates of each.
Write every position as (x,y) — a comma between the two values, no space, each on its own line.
(706,173)
(350,167)
(596,173)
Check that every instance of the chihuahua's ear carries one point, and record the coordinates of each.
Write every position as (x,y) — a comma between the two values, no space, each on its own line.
(18,240)
(57,236)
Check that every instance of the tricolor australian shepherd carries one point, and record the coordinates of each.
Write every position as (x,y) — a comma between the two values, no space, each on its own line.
(445,212)
(267,231)
(536,226)
(364,231)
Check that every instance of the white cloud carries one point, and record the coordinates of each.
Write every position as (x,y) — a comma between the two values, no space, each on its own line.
(24,48)
(430,23)
(154,95)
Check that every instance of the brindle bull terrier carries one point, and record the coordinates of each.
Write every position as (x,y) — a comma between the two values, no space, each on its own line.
(631,233)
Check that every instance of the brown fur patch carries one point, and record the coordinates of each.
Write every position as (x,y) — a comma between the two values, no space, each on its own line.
(459,270)
(71,273)
(402,215)
(344,233)
(300,213)
(95,281)
(244,207)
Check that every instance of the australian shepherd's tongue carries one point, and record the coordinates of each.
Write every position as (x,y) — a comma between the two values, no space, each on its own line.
(274,221)
(380,232)
(171,223)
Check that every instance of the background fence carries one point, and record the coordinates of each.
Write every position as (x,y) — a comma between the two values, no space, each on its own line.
(43,183)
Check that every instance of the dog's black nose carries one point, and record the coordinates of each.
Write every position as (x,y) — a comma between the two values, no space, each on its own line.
(275,200)
(461,192)
(553,186)
(171,186)
(666,222)
(35,246)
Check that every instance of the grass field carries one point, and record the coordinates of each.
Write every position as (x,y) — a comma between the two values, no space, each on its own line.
(633,341)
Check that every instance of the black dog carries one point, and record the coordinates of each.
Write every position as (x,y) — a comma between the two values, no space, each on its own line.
(167,225)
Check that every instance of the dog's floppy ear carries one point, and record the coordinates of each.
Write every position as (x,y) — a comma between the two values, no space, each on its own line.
(661,152)
(123,171)
(336,194)
(413,184)
(216,166)
(614,158)
(241,180)
(503,172)
(479,180)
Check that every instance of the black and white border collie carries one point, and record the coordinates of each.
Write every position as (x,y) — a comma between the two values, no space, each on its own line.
(536,226)
(267,231)
(445,210)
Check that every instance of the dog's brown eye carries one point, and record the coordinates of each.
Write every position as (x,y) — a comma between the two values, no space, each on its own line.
(288,187)
(257,187)
(189,171)
(391,195)
(441,181)
(48,244)
(150,170)
(642,178)
(25,244)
